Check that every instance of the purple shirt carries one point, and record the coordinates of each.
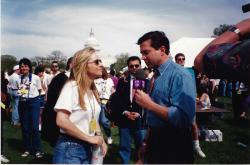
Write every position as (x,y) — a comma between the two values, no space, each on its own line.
(115,80)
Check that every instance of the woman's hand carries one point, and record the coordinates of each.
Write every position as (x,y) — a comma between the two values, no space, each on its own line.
(97,140)
(104,149)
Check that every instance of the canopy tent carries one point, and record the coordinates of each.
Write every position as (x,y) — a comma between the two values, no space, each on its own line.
(190,47)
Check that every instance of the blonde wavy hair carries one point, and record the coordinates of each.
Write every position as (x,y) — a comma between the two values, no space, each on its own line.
(79,73)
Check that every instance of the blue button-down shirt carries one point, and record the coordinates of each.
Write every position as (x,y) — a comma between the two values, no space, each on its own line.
(174,89)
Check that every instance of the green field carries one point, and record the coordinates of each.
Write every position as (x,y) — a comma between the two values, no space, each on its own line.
(217,153)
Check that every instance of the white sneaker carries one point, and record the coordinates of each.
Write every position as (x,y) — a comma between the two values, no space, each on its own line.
(4,159)
(25,154)
(110,140)
(199,151)
(39,154)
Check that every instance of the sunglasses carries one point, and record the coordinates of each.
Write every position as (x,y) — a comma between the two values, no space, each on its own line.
(181,59)
(132,66)
(54,66)
(97,61)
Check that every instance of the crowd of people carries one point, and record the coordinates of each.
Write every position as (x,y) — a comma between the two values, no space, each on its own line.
(155,110)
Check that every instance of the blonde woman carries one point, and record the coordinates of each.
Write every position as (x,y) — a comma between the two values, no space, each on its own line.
(78,109)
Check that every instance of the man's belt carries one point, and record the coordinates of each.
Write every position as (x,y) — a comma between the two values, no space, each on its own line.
(27,99)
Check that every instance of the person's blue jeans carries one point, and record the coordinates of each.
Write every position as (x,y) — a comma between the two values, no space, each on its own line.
(69,150)
(30,111)
(229,89)
(42,101)
(222,88)
(14,104)
(104,122)
(126,135)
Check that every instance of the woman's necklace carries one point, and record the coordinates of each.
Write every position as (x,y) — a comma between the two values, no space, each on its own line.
(93,123)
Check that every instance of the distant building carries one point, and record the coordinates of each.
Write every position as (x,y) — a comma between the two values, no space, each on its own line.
(94,43)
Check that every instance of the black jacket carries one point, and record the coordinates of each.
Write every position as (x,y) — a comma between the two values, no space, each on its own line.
(50,131)
(123,103)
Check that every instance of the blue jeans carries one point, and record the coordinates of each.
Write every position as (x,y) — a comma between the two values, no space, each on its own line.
(229,89)
(69,150)
(125,142)
(42,101)
(104,122)
(29,113)
(222,88)
(14,104)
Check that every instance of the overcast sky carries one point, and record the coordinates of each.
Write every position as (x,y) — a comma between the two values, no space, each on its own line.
(37,27)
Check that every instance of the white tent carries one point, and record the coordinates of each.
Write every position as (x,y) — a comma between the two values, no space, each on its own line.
(190,47)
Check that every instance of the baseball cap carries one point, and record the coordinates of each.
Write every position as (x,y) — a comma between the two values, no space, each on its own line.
(16,67)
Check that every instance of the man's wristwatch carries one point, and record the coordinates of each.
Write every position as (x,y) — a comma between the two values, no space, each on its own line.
(235,30)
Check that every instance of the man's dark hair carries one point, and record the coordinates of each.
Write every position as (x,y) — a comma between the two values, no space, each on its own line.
(112,72)
(39,69)
(105,74)
(133,58)
(53,62)
(178,55)
(68,63)
(158,39)
(25,61)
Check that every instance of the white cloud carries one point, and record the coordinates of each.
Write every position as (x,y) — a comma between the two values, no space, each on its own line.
(66,28)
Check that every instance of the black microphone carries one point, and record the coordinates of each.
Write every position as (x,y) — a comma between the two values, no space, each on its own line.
(246,8)
(139,82)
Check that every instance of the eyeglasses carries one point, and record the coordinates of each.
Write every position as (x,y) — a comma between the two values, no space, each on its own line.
(132,66)
(97,61)
(54,66)
(181,59)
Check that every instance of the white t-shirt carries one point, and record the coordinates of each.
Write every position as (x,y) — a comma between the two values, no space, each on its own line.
(104,87)
(13,81)
(32,87)
(68,100)
(50,77)
(44,83)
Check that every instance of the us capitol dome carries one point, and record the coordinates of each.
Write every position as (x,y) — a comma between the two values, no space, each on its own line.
(107,60)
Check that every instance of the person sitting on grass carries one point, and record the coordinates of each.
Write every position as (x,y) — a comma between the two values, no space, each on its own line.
(204,100)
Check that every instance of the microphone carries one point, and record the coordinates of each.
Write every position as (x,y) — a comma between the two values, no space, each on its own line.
(139,82)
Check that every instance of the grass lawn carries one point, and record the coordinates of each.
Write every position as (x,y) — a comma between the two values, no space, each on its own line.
(224,152)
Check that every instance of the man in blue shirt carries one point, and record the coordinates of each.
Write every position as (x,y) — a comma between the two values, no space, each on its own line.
(170,104)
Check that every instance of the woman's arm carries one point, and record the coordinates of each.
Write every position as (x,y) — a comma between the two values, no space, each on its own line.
(104,145)
(62,121)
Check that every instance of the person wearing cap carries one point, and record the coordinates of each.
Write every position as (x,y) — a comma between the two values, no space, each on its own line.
(180,59)
(13,86)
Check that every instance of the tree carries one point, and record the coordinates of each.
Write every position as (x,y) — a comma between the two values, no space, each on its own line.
(7,62)
(57,55)
(221,29)
(46,61)
(121,62)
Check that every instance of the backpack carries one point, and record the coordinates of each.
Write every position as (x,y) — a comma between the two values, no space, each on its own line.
(111,107)
(50,131)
